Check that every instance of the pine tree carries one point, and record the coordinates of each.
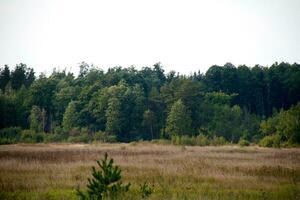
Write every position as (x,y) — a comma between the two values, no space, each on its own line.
(179,120)
(105,183)
(4,78)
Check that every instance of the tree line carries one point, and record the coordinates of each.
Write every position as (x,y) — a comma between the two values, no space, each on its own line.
(127,104)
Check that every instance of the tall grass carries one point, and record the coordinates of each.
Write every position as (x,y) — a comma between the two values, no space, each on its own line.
(53,171)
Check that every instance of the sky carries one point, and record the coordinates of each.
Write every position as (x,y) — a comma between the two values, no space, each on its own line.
(185,36)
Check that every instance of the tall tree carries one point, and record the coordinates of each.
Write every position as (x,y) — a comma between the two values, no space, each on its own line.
(4,77)
(37,119)
(18,76)
(179,120)
(113,117)
(149,123)
(70,118)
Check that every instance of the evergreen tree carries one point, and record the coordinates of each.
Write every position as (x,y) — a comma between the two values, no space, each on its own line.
(4,78)
(18,76)
(105,183)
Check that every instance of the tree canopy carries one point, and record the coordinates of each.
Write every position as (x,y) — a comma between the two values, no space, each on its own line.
(226,101)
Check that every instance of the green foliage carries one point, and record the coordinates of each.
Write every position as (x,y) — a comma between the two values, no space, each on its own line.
(104,137)
(130,104)
(55,137)
(218,141)
(70,118)
(29,136)
(244,142)
(105,182)
(37,119)
(200,140)
(4,78)
(285,125)
(11,133)
(113,115)
(270,141)
(149,123)
(220,98)
(146,190)
(178,121)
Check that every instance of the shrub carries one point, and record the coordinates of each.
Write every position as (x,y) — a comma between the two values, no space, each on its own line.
(218,141)
(7,141)
(104,137)
(175,139)
(10,135)
(55,137)
(81,138)
(105,183)
(186,140)
(29,136)
(270,141)
(202,140)
(58,130)
(75,131)
(244,142)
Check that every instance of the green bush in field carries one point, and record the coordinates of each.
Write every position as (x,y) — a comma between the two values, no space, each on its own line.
(186,140)
(218,141)
(55,137)
(10,135)
(244,142)
(104,137)
(105,183)
(29,136)
(7,141)
(270,141)
(80,138)
(202,140)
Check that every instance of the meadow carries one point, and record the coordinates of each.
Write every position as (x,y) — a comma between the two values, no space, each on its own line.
(53,171)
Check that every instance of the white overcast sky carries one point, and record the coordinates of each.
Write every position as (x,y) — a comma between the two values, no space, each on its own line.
(183,35)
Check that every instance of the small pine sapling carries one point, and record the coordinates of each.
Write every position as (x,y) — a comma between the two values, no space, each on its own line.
(105,183)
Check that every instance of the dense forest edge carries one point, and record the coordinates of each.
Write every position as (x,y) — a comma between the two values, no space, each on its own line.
(227,104)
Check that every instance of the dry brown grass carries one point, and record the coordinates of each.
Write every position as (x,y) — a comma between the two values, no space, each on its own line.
(227,172)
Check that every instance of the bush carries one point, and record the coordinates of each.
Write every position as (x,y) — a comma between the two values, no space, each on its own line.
(270,141)
(186,140)
(81,138)
(244,142)
(218,141)
(55,137)
(202,140)
(7,141)
(105,183)
(175,139)
(29,136)
(104,137)
(10,135)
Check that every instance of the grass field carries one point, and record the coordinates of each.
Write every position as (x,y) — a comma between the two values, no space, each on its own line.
(53,171)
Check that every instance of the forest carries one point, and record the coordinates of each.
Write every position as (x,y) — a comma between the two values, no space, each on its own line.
(226,104)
